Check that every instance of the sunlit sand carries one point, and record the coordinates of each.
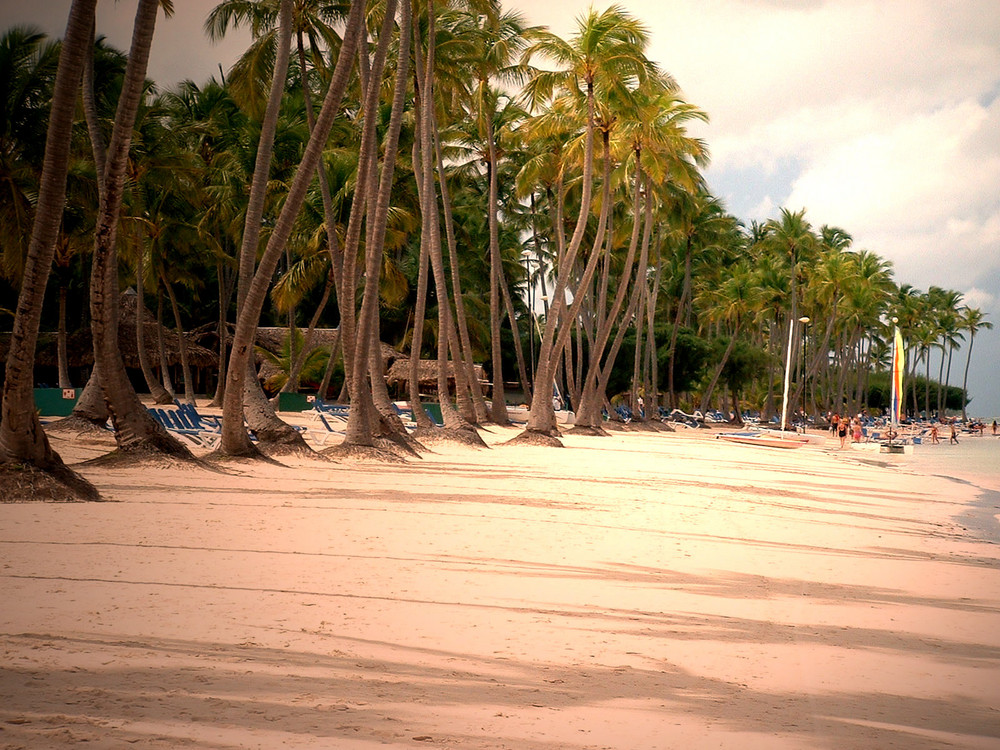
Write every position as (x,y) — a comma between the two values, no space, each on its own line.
(633,591)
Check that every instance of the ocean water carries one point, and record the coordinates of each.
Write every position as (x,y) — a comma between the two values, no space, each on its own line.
(974,461)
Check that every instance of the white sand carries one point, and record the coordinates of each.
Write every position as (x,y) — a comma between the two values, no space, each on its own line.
(636,591)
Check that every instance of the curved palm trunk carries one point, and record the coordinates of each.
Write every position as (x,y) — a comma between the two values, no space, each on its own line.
(479,412)
(367,330)
(965,376)
(447,334)
(333,246)
(498,405)
(259,414)
(22,439)
(235,440)
(589,405)
(156,389)
(681,306)
(161,349)
(91,410)
(135,429)
(542,416)
(420,307)
(181,341)
(706,398)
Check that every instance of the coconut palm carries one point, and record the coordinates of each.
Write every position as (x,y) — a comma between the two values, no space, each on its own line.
(135,429)
(27,70)
(732,304)
(973,321)
(22,440)
(235,440)
(607,50)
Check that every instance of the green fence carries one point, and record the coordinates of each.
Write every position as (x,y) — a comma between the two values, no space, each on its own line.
(56,402)
(295,402)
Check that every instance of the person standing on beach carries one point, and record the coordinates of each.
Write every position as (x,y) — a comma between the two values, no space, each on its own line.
(934,435)
(833,423)
(994,428)
(954,434)
(857,431)
(842,432)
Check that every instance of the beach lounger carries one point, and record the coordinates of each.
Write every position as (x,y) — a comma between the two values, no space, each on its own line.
(175,422)
(320,436)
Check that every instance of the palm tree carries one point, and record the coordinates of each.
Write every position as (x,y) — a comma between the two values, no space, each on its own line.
(235,440)
(497,43)
(27,70)
(730,304)
(607,50)
(135,429)
(973,321)
(22,440)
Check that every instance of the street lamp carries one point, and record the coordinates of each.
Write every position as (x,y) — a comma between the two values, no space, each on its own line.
(788,368)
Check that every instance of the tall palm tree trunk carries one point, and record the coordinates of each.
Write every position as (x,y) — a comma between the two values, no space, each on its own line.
(161,348)
(965,375)
(135,430)
(542,418)
(367,332)
(479,413)
(156,389)
(181,341)
(589,407)
(235,440)
(498,405)
(22,439)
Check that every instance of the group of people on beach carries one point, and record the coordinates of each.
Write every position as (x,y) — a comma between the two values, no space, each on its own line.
(844,427)
(952,439)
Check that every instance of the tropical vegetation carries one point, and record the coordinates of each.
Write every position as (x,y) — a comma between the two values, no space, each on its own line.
(439,177)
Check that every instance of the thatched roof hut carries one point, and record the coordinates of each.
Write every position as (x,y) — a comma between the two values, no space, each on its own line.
(273,340)
(198,355)
(427,369)
(80,346)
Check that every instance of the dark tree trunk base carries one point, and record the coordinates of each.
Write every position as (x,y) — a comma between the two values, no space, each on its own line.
(435,435)
(366,453)
(582,429)
(281,441)
(616,426)
(149,452)
(402,442)
(532,437)
(79,425)
(22,483)
(282,448)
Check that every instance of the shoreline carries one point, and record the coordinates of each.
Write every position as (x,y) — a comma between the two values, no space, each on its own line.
(642,590)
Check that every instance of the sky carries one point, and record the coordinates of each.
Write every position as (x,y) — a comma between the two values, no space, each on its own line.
(881,117)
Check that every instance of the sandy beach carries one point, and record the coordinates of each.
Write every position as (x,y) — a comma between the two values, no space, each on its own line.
(638,591)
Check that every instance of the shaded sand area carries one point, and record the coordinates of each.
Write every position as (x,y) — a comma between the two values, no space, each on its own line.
(637,591)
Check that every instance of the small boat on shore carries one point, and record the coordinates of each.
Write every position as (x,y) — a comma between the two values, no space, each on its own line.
(760,438)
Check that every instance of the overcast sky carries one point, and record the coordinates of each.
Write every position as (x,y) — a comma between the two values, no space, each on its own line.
(877,116)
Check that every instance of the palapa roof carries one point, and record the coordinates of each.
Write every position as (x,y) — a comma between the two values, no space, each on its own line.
(273,339)
(427,372)
(80,347)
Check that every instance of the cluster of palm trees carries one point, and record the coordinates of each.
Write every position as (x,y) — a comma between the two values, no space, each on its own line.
(407,171)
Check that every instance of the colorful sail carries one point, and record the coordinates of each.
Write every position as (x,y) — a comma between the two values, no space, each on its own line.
(898,361)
